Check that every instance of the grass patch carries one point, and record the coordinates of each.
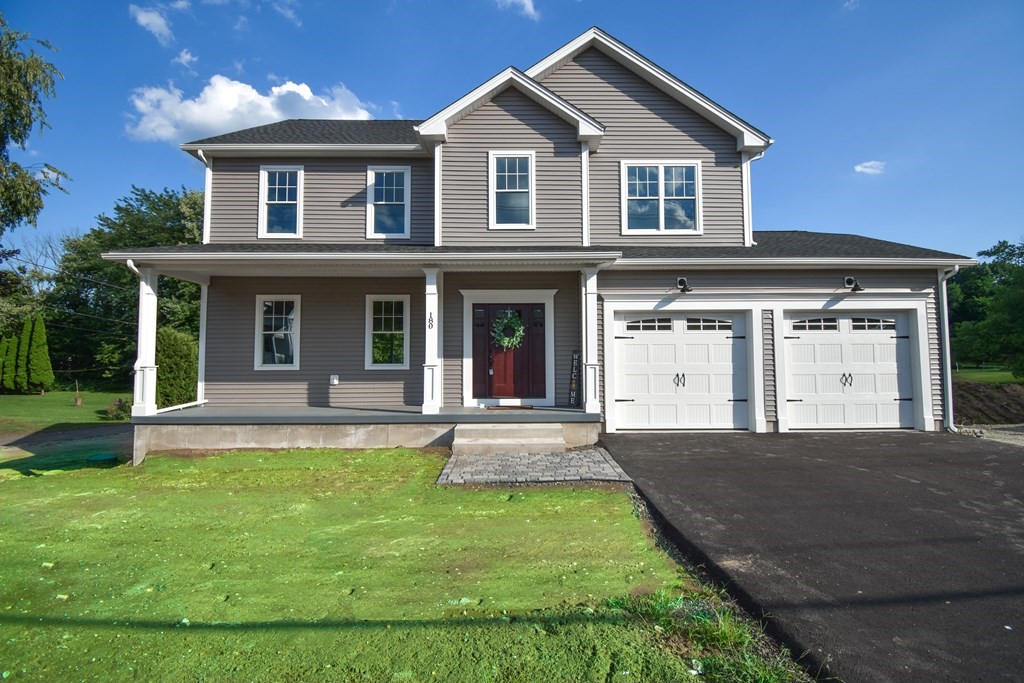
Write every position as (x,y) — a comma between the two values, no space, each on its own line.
(56,410)
(987,375)
(343,565)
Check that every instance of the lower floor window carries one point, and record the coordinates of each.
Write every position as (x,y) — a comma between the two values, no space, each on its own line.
(387,338)
(277,333)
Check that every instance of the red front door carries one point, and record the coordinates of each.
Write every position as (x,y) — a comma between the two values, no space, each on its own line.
(512,373)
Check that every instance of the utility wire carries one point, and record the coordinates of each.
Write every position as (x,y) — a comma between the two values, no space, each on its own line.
(97,317)
(97,332)
(80,277)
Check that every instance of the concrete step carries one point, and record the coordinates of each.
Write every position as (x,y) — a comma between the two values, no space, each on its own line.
(492,439)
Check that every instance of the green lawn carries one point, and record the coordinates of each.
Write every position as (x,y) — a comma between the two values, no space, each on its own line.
(55,411)
(988,375)
(344,565)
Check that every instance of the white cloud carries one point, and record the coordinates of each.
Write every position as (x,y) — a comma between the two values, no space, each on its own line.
(525,7)
(396,109)
(186,59)
(286,8)
(180,4)
(850,5)
(225,105)
(153,21)
(870,167)
(242,23)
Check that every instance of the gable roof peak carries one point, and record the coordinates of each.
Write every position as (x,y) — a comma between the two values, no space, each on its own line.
(748,138)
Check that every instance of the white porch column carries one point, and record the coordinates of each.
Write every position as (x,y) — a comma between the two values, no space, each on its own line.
(432,385)
(145,365)
(591,369)
(201,383)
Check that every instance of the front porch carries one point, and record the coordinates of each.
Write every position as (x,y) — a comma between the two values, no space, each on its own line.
(271,427)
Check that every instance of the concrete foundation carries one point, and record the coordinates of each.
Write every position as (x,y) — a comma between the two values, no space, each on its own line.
(151,438)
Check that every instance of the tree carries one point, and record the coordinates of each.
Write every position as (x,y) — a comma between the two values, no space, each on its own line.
(92,304)
(40,370)
(4,342)
(177,359)
(25,80)
(10,362)
(21,368)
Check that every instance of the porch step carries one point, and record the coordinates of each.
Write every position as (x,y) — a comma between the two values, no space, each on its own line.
(491,439)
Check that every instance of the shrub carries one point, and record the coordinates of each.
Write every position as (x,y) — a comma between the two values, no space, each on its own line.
(40,370)
(10,361)
(119,410)
(21,366)
(177,359)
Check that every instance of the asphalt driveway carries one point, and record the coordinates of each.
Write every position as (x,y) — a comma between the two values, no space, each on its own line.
(884,556)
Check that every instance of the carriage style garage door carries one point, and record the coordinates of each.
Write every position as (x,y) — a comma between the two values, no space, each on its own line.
(680,371)
(848,371)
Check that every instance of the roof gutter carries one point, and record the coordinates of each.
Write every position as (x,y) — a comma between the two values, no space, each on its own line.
(801,263)
(607,257)
(239,149)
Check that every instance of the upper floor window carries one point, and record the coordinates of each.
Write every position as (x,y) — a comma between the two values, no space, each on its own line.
(280,201)
(661,196)
(277,332)
(387,202)
(512,190)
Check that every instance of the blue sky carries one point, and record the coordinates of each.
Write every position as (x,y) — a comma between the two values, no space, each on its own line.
(891,119)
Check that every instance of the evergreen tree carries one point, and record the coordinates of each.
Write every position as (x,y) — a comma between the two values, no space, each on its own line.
(177,359)
(21,369)
(10,360)
(40,370)
(4,342)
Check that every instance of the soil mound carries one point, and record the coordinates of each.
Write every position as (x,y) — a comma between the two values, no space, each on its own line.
(982,403)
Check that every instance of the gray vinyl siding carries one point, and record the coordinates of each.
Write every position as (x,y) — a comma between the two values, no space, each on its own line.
(566,317)
(770,391)
(331,341)
(334,199)
(512,121)
(642,123)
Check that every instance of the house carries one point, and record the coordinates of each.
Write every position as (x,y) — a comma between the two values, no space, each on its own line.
(573,243)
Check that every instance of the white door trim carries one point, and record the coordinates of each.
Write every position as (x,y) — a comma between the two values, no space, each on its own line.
(508,296)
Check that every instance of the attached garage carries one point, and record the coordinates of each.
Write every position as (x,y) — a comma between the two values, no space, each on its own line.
(680,370)
(850,370)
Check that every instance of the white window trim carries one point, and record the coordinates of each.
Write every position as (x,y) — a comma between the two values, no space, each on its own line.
(262,230)
(491,189)
(661,163)
(368,329)
(370,171)
(258,351)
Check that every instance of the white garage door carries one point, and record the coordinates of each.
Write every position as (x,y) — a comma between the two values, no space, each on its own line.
(849,371)
(680,371)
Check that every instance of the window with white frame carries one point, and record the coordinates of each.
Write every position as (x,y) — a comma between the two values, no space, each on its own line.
(280,213)
(512,186)
(277,332)
(661,196)
(387,202)
(387,332)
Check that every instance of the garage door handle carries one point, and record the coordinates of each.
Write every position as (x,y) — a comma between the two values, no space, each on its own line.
(625,400)
(739,337)
(681,379)
(618,337)
(900,336)
(794,400)
(903,399)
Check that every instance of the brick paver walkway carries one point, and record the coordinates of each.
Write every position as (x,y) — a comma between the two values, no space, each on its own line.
(592,464)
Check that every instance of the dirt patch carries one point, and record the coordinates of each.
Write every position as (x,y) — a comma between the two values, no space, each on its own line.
(981,403)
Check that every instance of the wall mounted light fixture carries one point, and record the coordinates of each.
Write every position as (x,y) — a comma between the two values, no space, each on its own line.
(683,285)
(852,284)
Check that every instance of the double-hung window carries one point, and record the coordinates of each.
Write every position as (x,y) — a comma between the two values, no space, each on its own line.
(512,190)
(280,201)
(387,202)
(661,196)
(277,332)
(387,332)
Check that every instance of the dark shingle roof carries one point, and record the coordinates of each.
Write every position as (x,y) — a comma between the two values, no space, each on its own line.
(787,244)
(321,132)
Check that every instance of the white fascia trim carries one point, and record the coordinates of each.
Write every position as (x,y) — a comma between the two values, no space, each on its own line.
(585,190)
(261,230)
(507,296)
(438,167)
(257,361)
(247,150)
(598,258)
(768,263)
(492,223)
(747,138)
(370,206)
(661,164)
(368,331)
(587,129)
(207,194)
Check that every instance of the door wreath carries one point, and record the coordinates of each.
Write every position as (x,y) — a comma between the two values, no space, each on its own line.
(508,330)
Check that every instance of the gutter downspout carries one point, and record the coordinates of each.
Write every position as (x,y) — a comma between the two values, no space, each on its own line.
(947,362)
(750,198)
